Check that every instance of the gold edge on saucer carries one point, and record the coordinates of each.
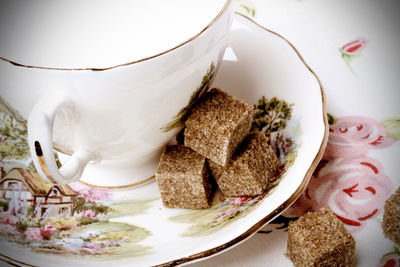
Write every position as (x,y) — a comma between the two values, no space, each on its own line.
(14,262)
(253,230)
(121,186)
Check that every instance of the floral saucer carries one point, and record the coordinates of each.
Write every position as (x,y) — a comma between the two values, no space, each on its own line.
(77,224)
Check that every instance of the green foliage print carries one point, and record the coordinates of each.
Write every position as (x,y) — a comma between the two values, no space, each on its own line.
(246,7)
(224,211)
(392,126)
(390,258)
(331,119)
(13,136)
(130,208)
(96,207)
(179,119)
(269,117)
(88,232)
(104,240)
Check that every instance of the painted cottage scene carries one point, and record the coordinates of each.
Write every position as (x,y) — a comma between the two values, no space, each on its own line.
(21,190)
(61,220)
(71,219)
(81,220)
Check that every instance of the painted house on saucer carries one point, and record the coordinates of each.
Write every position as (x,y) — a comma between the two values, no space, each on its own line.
(22,188)
(2,172)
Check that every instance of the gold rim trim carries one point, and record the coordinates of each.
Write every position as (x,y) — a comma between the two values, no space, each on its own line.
(140,183)
(13,262)
(224,8)
(253,230)
(121,186)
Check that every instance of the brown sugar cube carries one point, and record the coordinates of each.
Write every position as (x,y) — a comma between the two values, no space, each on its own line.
(252,169)
(320,239)
(391,217)
(217,124)
(183,179)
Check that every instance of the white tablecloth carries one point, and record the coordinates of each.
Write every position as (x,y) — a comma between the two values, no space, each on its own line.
(353,46)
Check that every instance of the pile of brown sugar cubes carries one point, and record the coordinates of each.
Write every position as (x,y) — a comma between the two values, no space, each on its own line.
(217,147)
(320,239)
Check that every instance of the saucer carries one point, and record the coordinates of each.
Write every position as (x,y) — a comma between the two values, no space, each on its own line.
(82,225)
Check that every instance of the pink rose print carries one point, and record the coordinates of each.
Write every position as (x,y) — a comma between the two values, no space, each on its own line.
(33,234)
(92,248)
(47,231)
(9,229)
(352,184)
(353,50)
(354,188)
(88,214)
(240,200)
(91,194)
(353,136)
(392,262)
(7,218)
(391,259)
(355,47)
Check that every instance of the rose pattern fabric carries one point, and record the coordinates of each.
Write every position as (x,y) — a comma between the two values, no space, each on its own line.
(355,47)
(352,50)
(354,136)
(391,259)
(347,180)
(354,188)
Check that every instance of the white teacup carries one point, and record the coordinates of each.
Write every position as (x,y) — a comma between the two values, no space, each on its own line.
(117,113)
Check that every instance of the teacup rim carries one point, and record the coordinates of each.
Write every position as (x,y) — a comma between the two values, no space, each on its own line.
(219,15)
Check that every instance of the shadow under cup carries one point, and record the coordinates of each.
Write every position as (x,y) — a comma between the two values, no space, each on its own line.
(117,119)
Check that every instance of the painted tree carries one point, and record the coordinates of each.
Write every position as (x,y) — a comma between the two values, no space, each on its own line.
(179,119)
(271,115)
(13,136)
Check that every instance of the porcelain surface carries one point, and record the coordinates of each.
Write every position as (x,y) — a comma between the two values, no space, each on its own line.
(129,226)
(76,34)
(118,118)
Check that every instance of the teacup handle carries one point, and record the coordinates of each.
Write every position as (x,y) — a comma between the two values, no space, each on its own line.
(40,138)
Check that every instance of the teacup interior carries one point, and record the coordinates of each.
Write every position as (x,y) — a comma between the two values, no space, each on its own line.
(98,34)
